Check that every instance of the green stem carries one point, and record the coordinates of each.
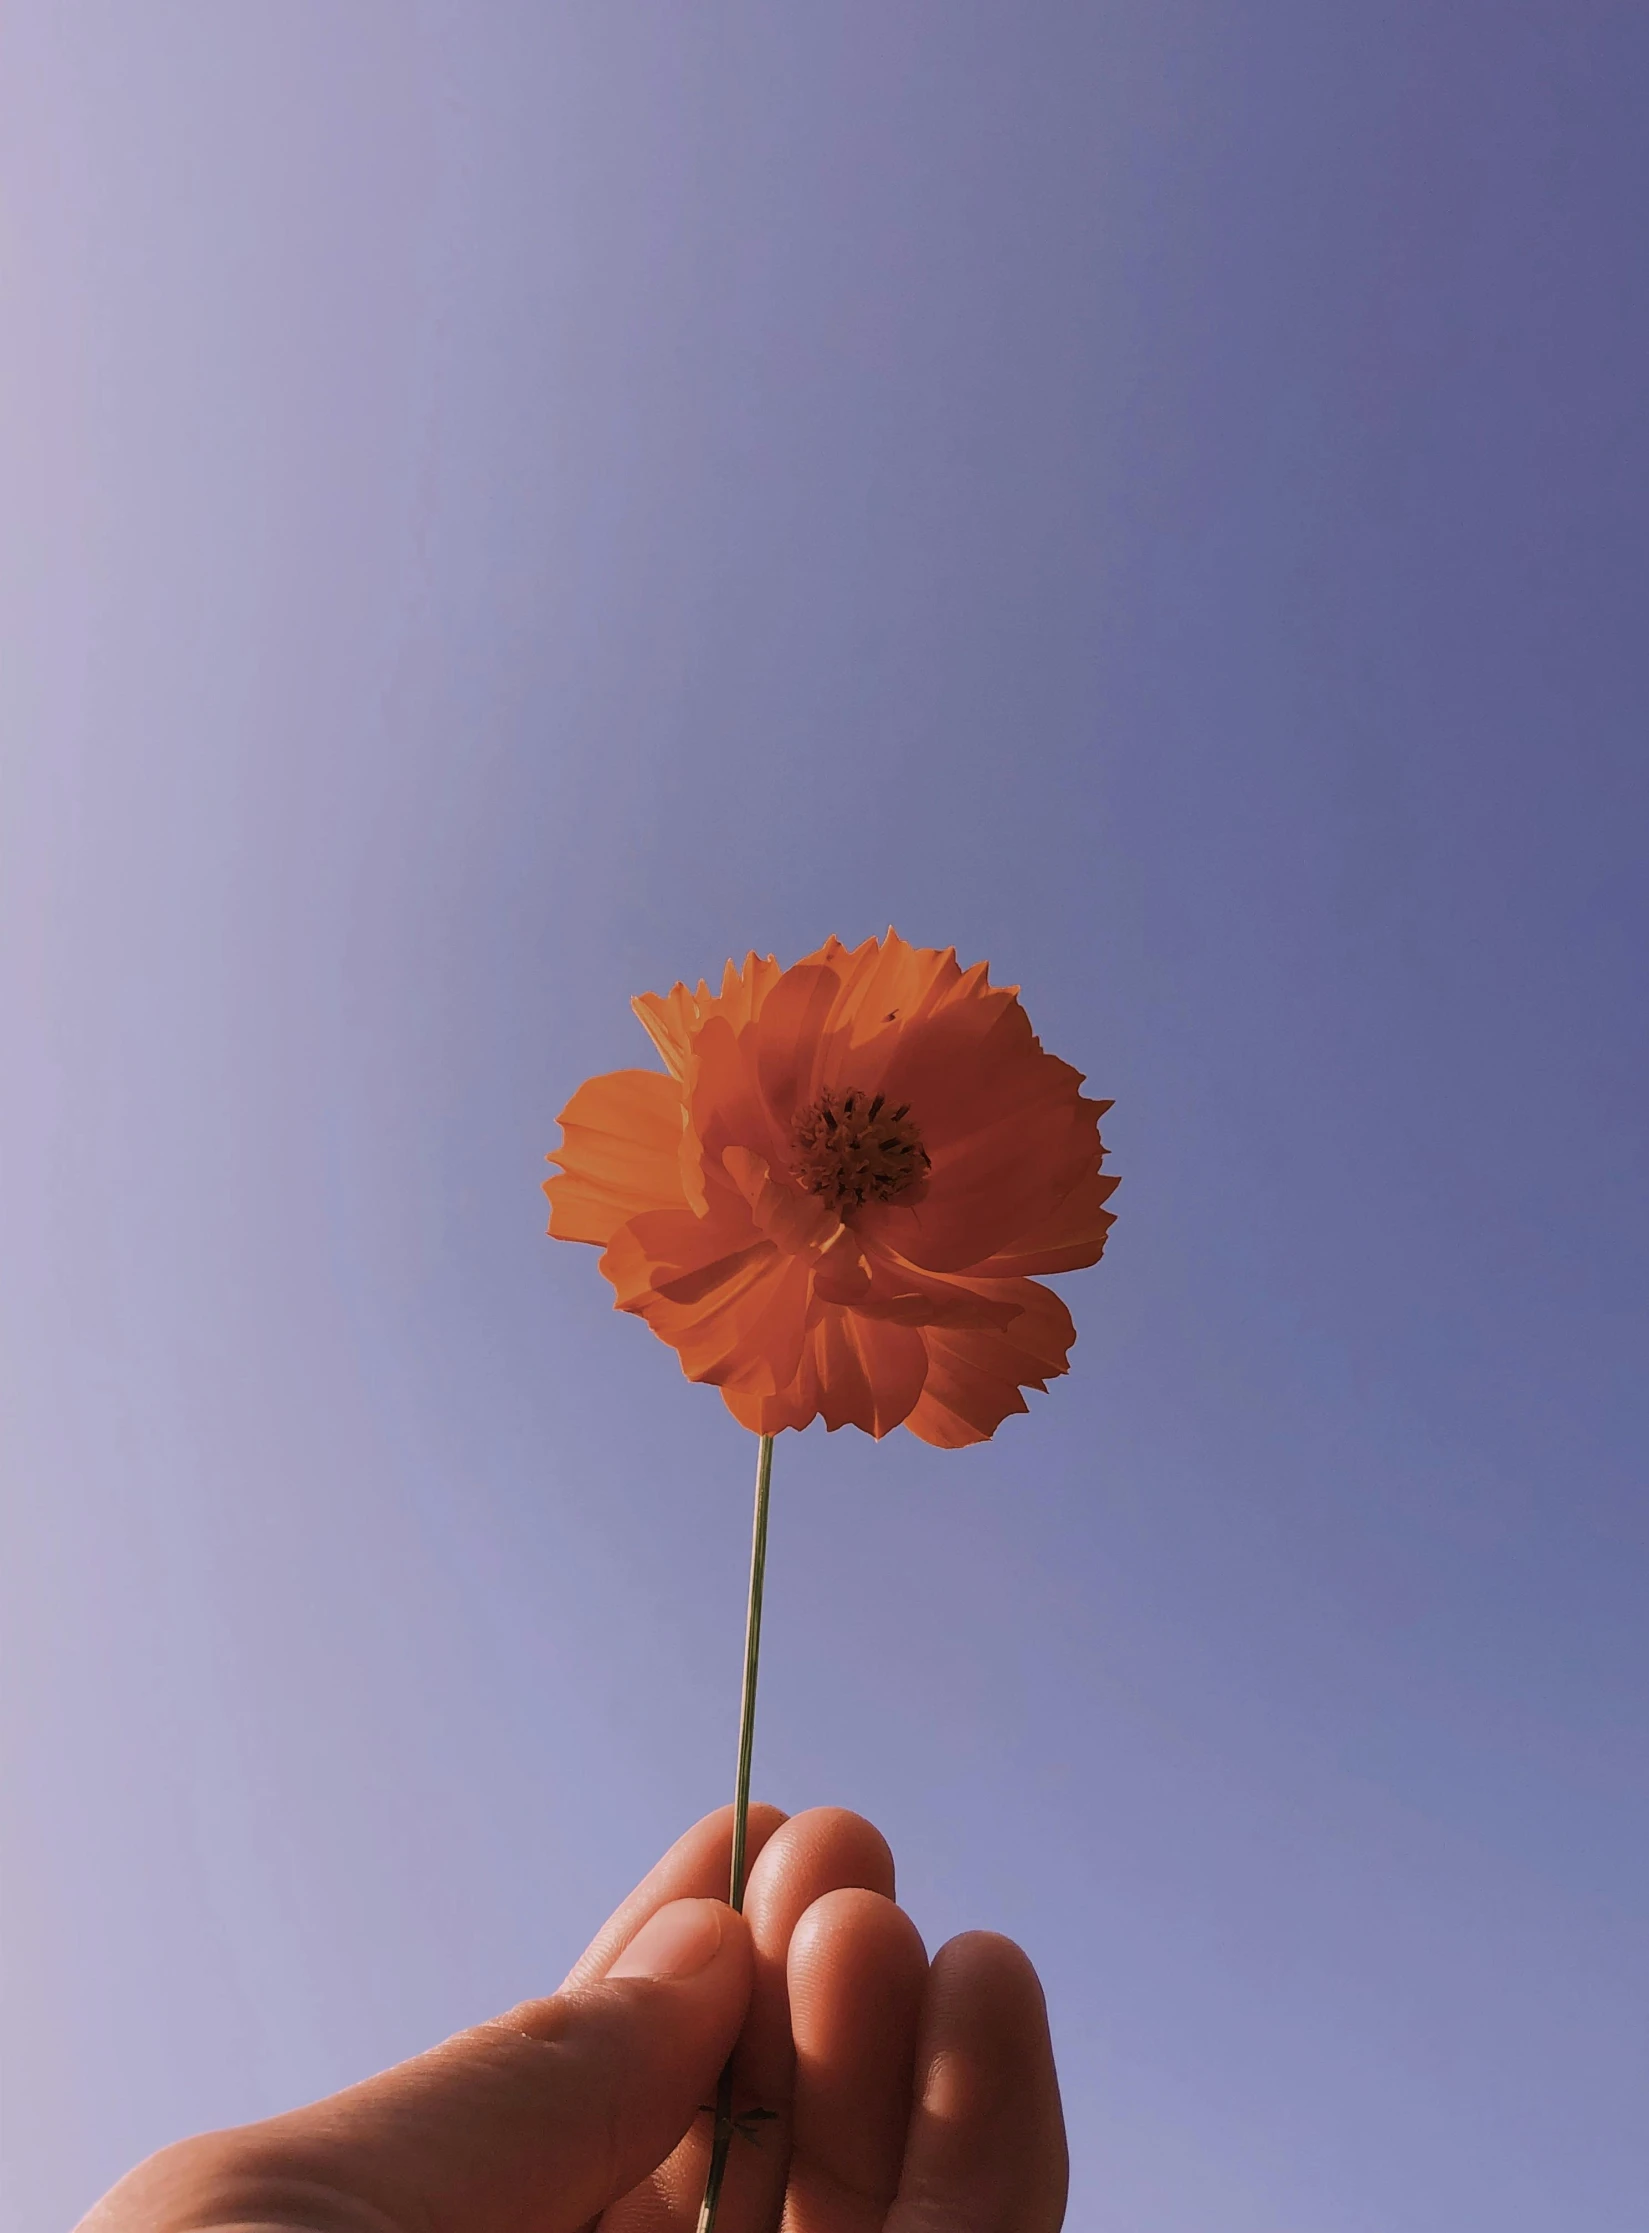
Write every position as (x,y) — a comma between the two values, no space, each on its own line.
(752,1657)
(741,1806)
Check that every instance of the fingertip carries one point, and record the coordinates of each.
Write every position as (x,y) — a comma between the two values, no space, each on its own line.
(856,1973)
(696,1866)
(985,1997)
(860,1925)
(679,1941)
(987,2122)
(692,1943)
(829,1846)
(984,1965)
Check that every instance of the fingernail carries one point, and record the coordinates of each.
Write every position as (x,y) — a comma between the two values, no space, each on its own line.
(677,1942)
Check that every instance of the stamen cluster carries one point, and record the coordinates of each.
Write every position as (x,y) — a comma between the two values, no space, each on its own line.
(849,1149)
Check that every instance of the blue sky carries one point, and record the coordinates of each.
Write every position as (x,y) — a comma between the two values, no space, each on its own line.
(510,504)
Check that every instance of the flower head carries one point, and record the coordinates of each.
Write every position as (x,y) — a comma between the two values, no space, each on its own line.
(832,1199)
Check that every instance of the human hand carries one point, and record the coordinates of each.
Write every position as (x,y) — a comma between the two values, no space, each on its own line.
(877,2093)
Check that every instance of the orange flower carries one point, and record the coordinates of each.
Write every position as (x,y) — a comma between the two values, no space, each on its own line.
(832,1200)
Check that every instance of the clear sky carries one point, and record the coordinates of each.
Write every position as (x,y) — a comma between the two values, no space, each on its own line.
(506,504)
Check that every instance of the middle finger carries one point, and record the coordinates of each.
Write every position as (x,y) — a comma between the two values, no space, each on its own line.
(858,1974)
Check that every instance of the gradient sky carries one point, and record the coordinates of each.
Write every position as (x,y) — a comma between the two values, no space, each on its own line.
(505,504)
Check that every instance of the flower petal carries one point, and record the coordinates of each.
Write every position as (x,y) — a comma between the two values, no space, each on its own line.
(840,1273)
(787,1039)
(975,1375)
(853,1371)
(870,1372)
(888,989)
(796,1406)
(1007,1130)
(1072,1237)
(618,1156)
(671,1019)
(911,1296)
(658,1249)
(737,1317)
(799,1222)
(725,1108)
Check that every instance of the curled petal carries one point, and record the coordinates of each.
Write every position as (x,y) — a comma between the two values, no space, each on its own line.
(725,1108)
(840,1272)
(797,1222)
(661,1248)
(736,1318)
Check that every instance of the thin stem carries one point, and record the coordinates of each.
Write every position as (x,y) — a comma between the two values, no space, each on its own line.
(752,1657)
(741,1806)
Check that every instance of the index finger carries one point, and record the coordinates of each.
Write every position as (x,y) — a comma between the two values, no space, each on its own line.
(695,1868)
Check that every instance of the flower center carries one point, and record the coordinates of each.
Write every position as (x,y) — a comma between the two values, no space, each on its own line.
(850,1149)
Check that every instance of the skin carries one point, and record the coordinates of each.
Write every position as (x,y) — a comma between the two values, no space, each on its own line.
(904,2096)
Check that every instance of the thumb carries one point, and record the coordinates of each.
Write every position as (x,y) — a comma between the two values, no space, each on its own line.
(532,2123)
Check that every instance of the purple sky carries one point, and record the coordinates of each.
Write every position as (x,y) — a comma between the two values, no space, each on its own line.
(506,504)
